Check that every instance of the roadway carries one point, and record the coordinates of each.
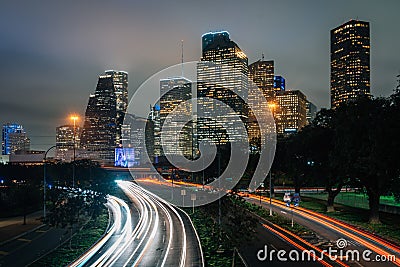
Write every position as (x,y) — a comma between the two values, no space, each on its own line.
(331,230)
(148,232)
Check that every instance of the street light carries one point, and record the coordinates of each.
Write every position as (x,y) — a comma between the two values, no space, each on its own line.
(44,182)
(74,118)
(272,107)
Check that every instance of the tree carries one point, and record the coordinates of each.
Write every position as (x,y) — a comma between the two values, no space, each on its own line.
(367,146)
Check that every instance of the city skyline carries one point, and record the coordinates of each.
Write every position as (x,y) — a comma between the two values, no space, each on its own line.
(60,63)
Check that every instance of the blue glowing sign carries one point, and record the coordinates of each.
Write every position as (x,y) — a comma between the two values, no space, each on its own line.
(124,157)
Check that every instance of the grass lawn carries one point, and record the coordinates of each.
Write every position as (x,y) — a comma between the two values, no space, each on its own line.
(357,200)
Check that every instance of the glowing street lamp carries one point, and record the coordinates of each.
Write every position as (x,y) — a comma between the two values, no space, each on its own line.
(272,106)
(74,118)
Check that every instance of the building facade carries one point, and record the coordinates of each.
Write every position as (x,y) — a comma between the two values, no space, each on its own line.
(279,83)
(14,139)
(350,62)
(311,112)
(137,134)
(174,92)
(120,81)
(154,117)
(261,74)
(67,137)
(290,114)
(222,75)
(99,131)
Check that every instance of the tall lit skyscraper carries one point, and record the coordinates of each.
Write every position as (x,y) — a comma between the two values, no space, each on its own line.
(154,117)
(222,74)
(120,80)
(350,62)
(174,92)
(14,139)
(291,114)
(262,74)
(65,142)
(99,130)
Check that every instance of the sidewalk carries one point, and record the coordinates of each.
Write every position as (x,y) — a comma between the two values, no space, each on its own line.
(13,226)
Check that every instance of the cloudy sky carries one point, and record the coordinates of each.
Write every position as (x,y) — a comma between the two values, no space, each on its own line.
(51,52)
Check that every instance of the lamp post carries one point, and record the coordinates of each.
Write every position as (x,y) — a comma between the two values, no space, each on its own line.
(44,182)
(272,107)
(74,118)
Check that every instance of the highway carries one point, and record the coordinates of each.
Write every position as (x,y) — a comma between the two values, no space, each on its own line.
(148,232)
(332,229)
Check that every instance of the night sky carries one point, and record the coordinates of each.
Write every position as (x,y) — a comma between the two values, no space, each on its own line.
(51,53)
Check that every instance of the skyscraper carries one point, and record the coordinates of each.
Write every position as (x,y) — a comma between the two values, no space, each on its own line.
(14,139)
(65,142)
(291,112)
(137,134)
(262,74)
(222,74)
(154,117)
(174,92)
(350,62)
(311,112)
(279,83)
(99,130)
(120,80)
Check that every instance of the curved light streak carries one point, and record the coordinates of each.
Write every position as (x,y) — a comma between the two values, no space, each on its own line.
(134,241)
(343,228)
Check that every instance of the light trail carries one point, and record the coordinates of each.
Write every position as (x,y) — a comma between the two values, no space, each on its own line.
(287,239)
(361,237)
(126,244)
(113,203)
(133,190)
(287,233)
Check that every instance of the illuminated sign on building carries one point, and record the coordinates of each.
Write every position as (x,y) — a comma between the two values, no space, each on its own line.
(124,157)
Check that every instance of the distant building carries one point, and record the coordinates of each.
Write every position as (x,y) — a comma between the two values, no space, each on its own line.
(350,62)
(173,93)
(290,115)
(137,134)
(311,112)
(279,84)
(261,73)
(222,75)
(32,157)
(154,117)
(120,81)
(14,139)
(65,142)
(99,131)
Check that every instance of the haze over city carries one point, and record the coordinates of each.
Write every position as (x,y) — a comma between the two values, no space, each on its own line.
(52,53)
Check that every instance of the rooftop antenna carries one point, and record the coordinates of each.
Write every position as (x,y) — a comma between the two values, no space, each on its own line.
(262,56)
(182,56)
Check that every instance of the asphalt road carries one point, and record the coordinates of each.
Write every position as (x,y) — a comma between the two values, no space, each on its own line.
(27,248)
(147,232)
(333,231)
